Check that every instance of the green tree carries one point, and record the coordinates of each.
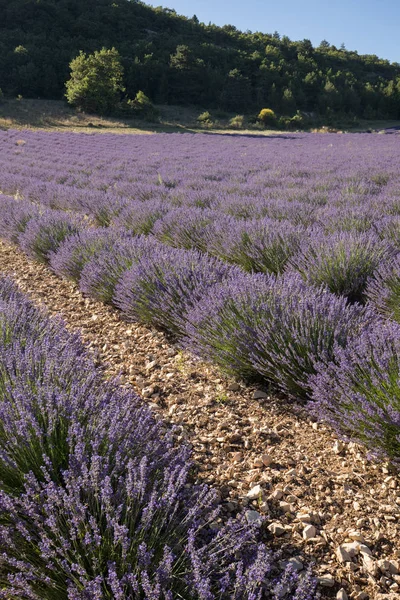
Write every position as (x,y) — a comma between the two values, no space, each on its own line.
(96,81)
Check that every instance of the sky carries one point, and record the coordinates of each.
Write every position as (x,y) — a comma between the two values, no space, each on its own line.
(368,26)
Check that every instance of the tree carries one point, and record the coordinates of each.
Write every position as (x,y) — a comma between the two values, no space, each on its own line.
(96,81)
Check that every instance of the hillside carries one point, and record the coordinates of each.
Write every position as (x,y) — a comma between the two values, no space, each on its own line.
(176,60)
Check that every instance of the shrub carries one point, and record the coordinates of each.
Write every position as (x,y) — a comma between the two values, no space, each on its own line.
(44,234)
(15,216)
(96,79)
(162,286)
(360,395)
(343,261)
(262,245)
(220,327)
(74,252)
(237,122)
(102,271)
(267,116)
(298,326)
(383,289)
(186,228)
(139,217)
(140,107)
(260,327)
(205,119)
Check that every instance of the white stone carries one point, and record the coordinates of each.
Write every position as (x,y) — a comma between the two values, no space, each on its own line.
(356,535)
(255,493)
(252,516)
(294,562)
(309,532)
(276,528)
(342,555)
(352,548)
(341,595)
(338,447)
(370,565)
(267,459)
(364,549)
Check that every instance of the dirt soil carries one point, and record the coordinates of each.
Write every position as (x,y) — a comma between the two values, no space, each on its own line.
(323,500)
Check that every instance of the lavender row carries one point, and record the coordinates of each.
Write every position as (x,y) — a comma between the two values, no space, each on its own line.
(278,329)
(345,262)
(95,495)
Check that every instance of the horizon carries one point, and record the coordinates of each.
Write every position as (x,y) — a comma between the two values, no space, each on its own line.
(376,33)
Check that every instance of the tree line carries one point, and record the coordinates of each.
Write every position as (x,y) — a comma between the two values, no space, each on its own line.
(178,60)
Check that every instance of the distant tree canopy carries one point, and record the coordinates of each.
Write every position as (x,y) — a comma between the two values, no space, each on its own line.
(179,60)
(96,81)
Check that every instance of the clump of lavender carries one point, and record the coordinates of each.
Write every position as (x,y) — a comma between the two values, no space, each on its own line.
(299,325)
(262,245)
(186,228)
(44,234)
(359,396)
(220,327)
(272,328)
(139,217)
(162,286)
(102,271)
(342,261)
(383,290)
(15,216)
(73,254)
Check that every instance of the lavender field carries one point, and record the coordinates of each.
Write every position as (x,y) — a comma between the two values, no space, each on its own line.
(276,258)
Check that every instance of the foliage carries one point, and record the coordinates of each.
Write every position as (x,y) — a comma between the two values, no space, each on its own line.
(195,64)
(360,395)
(96,81)
(44,234)
(162,287)
(383,289)
(267,116)
(205,119)
(236,122)
(343,261)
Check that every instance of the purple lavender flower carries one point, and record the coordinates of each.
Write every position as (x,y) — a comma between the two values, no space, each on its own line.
(359,396)
(45,233)
(76,250)
(343,262)
(162,286)
(103,271)
(383,289)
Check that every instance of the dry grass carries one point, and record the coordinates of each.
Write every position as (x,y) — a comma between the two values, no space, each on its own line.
(58,116)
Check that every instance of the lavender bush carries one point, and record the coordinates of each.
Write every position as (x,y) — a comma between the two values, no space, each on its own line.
(102,271)
(360,395)
(139,218)
(76,250)
(44,234)
(383,290)
(259,245)
(162,286)
(343,262)
(14,217)
(220,327)
(298,326)
(186,228)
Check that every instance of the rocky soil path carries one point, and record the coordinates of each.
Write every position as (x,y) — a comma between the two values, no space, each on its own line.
(323,499)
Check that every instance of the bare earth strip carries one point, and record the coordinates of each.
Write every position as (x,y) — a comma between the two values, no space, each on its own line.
(322,499)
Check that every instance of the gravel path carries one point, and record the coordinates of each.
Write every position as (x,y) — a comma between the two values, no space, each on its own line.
(323,499)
